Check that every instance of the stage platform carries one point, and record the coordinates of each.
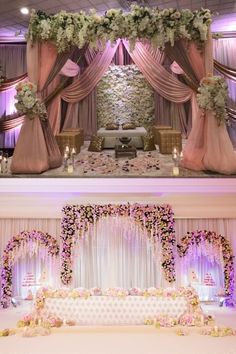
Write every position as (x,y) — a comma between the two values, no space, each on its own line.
(147,164)
(118,339)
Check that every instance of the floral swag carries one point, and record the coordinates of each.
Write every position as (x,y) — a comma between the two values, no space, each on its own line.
(157,220)
(27,101)
(218,241)
(158,26)
(13,249)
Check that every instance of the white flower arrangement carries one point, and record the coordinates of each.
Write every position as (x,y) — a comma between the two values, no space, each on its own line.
(212,95)
(124,96)
(158,26)
(27,101)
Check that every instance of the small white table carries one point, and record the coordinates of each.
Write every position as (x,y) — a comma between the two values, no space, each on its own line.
(112,136)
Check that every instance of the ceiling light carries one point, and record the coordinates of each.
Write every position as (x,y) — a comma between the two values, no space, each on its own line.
(24,10)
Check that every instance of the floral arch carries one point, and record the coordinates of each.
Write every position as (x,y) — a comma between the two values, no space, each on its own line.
(11,252)
(51,42)
(195,238)
(156,219)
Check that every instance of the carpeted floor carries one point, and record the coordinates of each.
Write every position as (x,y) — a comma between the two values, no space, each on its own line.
(119,340)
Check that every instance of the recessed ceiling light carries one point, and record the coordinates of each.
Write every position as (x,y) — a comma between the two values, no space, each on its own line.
(24,10)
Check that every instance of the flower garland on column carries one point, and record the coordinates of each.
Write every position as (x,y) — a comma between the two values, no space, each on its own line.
(8,257)
(157,220)
(199,236)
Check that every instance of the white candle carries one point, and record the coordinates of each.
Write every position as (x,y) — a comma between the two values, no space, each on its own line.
(73,151)
(175,171)
(175,151)
(65,155)
(202,320)
(215,328)
(67,150)
(70,169)
(174,156)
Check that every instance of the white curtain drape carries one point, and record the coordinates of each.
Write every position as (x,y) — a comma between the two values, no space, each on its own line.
(13,59)
(117,254)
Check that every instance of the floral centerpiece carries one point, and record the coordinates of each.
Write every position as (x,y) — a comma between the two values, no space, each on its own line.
(27,101)
(212,95)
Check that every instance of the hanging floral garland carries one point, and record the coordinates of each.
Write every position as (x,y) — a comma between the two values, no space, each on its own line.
(197,237)
(11,250)
(158,26)
(158,220)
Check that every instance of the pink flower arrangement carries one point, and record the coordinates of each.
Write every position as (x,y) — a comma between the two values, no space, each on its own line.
(187,319)
(136,292)
(116,292)
(165,321)
(96,292)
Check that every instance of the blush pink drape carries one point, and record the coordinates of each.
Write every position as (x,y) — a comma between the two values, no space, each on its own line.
(36,150)
(87,81)
(70,69)
(158,77)
(81,94)
(30,154)
(208,146)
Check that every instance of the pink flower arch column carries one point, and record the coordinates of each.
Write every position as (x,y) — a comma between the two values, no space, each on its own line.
(11,252)
(197,237)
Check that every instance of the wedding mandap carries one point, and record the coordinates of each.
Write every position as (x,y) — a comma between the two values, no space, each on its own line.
(69,53)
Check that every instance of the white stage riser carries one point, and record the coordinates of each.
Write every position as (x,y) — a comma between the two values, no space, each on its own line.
(104,310)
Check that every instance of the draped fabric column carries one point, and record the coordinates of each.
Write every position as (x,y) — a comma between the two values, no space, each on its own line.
(81,94)
(208,146)
(30,155)
(36,150)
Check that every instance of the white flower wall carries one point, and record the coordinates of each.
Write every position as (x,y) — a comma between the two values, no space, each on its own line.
(123,96)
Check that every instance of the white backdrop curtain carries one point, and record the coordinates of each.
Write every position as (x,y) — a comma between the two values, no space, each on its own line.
(124,253)
(117,253)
